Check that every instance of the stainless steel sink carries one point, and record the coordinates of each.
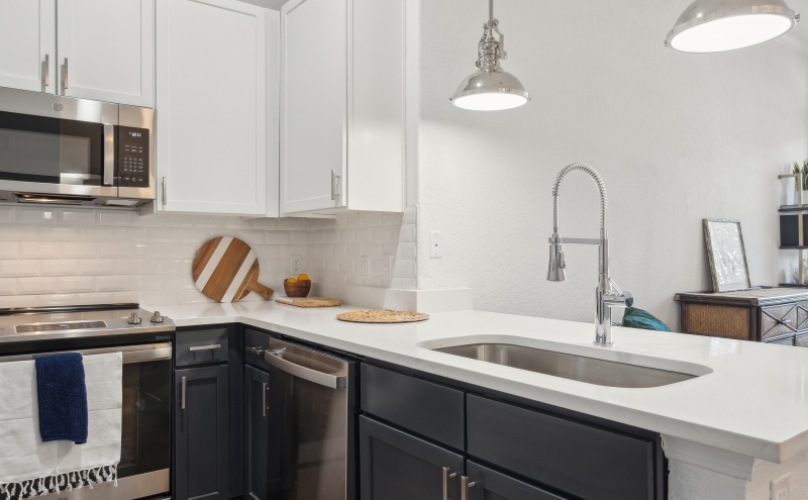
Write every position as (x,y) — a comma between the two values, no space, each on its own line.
(570,366)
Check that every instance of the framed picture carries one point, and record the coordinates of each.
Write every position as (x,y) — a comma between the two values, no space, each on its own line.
(725,249)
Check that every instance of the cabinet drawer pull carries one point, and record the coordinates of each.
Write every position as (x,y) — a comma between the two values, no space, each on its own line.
(784,321)
(64,76)
(465,486)
(446,476)
(264,388)
(46,71)
(210,347)
(184,386)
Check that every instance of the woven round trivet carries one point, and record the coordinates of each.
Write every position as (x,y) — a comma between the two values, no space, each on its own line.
(382,316)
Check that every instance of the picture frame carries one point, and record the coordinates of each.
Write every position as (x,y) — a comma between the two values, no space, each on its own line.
(728,267)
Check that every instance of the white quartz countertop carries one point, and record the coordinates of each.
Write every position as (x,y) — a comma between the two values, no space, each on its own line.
(754,402)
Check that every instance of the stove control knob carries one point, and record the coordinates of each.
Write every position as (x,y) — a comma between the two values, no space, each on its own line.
(133,319)
(156,317)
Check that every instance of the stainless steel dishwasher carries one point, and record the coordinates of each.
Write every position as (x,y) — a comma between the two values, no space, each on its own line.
(301,419)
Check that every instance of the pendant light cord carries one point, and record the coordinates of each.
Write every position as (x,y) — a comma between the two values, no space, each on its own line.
(490,10)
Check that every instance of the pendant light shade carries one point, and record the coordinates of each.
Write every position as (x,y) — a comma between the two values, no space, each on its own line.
(720,25)
(490,88)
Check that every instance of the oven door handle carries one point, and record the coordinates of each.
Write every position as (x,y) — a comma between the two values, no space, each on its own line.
(131,354)
(275,358)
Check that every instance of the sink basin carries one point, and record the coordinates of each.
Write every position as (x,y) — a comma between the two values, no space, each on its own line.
(572,366)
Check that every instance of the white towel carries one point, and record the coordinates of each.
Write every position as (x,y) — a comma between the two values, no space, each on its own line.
(27,463)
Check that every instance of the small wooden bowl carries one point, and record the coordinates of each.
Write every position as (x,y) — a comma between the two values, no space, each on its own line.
(297,289)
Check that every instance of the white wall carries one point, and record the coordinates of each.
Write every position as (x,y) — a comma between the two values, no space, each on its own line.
(677,138)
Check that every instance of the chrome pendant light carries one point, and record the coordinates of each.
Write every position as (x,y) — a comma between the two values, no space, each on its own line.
(490,88)
(720,25)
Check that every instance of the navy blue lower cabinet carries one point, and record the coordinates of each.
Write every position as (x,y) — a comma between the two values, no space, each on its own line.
(395,465)
(201,444)
(257,445)
(482,483)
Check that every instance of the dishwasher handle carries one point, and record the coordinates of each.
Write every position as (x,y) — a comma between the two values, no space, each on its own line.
(275,358)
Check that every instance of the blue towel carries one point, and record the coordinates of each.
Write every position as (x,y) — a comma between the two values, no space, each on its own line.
(638,318)
(62,395)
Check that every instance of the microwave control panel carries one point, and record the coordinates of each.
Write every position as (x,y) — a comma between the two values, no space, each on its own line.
(133,157)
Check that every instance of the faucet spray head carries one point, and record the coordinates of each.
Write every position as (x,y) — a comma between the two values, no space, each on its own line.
(556,269)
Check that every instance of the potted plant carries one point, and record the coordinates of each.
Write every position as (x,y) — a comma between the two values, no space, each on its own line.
(803,171)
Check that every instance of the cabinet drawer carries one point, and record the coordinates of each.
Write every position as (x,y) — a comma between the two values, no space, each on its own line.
(426,408)
(778,320)
(492,484)
(204,346)
(801,340)
(585,461)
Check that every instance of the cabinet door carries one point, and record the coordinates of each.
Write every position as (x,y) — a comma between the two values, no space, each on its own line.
(106,50)
(256,383)
(483,483)
(201,433)
(313,104)
(395,465)
(27,41)
(212,101)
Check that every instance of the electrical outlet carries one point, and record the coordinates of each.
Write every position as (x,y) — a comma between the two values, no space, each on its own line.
(435,245)
(781,488)
(296,265)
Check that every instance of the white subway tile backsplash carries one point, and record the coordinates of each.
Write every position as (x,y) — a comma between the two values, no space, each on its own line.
(39,250)
(8,215)
(8,286)
(78,217)
(36,286)
(76,284)
(59,267)
(92,255)
(113,283)
(97,267)
(15,268)
(37,215)
(77,249)
(114,218)
(9,250)
(56,233)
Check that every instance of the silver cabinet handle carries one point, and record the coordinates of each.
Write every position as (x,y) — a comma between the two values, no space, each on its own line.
(164,195)
(46,71)
(258,351)
(446,476)
(465,486)
(64,76)
(210,347)
(325,379)
(183,391)
(334,185)
(109,154)
(264,388)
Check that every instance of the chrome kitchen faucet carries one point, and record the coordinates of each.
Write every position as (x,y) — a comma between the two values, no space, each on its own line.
(607,293)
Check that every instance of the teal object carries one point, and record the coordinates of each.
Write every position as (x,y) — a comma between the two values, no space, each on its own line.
(638,318)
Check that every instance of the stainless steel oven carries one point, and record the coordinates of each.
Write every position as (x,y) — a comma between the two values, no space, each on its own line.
(143,470)
(63,150)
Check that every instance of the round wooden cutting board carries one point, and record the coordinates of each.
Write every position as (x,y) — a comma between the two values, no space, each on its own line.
(225,269)
(382,316)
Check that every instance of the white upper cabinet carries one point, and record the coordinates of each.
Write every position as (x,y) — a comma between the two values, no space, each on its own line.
(106,50)
(93,49)
(214,104)
(342,106)
(28,44)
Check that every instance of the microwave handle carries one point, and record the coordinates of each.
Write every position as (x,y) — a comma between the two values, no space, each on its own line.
(109,154)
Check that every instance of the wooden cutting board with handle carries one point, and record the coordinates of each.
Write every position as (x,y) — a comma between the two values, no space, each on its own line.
(225,269)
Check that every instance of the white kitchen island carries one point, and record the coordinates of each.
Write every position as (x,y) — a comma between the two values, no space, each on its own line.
(728,434)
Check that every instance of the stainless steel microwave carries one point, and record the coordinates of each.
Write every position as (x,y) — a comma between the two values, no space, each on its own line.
(68,151)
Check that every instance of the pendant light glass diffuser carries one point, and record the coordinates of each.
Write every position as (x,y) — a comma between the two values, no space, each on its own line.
(720,25)
(490,88)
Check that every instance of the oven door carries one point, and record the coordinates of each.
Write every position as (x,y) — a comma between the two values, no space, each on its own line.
(143,470)
(57,146)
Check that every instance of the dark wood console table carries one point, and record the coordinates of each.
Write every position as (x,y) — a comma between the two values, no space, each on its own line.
(775,315)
